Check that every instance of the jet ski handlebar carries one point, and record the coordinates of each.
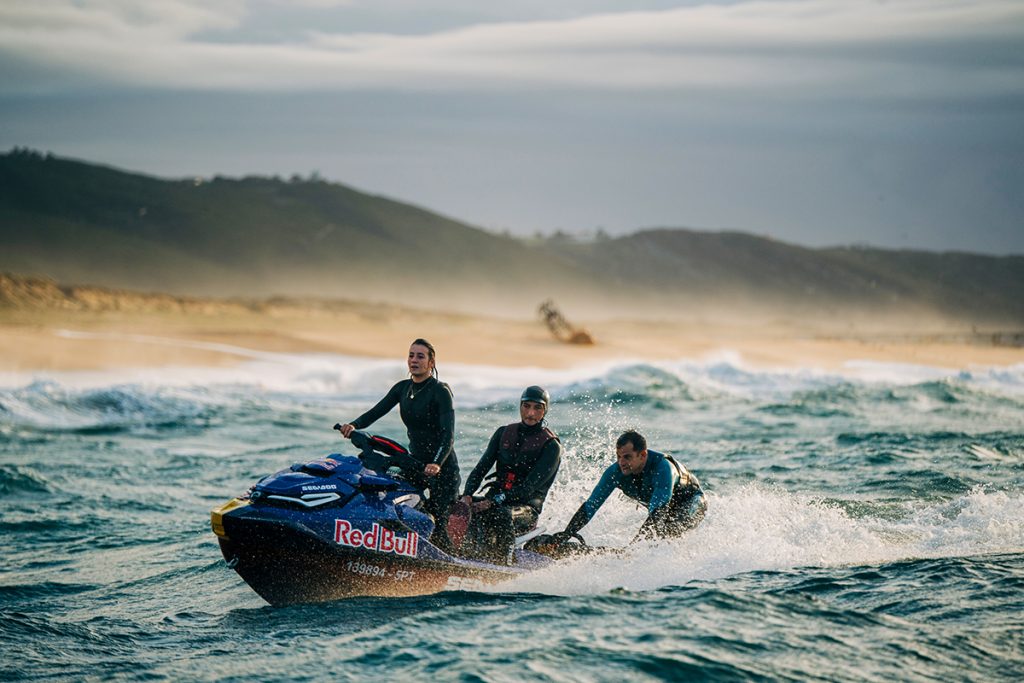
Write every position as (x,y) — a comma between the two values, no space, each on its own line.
(380,453)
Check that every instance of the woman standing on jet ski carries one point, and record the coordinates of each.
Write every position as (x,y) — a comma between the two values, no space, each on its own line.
(429,416)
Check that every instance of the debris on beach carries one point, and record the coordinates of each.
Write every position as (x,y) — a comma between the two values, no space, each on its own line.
(560,328)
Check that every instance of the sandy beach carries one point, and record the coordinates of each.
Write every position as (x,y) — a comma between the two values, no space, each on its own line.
(55,340)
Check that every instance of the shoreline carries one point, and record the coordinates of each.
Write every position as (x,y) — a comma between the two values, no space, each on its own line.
(48,340)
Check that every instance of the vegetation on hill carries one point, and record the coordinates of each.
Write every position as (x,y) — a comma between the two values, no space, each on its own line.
(258,237)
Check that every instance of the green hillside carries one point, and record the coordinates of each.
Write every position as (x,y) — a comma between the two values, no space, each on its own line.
(737,268)
(84,223)
(253,236)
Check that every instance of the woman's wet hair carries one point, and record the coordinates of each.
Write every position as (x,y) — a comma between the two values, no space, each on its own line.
(632,437)
(430,349)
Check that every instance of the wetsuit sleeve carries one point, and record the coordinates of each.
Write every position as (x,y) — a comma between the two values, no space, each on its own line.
(446,419)
(487,460)
(543,470)
(382,408)
(662,485)
(609,481)
(653,527)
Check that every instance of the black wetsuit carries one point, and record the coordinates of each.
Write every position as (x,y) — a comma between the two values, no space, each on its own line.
(429,417)
(526,460)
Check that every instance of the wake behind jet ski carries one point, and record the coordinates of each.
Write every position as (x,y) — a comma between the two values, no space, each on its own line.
(345,526)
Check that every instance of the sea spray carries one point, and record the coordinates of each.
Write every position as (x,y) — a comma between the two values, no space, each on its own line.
(880,503)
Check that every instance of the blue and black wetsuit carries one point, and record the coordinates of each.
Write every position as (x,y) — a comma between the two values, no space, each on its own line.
(673,496)
(428,412)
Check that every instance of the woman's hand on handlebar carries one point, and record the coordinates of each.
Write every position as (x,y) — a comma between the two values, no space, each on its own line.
(346,429)
(432,470)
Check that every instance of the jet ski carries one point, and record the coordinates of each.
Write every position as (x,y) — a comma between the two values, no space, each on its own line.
(344,526)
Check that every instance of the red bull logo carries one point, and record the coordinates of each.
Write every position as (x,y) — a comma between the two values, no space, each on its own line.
(377,539)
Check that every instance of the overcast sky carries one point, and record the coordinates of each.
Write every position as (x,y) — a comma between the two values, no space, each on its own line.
(896,123)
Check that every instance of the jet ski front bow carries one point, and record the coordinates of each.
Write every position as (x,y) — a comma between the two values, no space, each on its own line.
(335,528)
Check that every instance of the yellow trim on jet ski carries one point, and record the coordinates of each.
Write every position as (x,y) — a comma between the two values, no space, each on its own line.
(217,515)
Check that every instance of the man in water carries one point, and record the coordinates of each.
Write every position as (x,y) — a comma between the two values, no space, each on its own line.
(674,499)
(525,456)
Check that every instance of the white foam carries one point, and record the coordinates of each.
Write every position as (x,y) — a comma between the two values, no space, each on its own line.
(754,528)
(747,529)
(476,385)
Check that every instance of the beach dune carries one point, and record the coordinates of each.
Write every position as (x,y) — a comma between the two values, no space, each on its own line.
(46,326)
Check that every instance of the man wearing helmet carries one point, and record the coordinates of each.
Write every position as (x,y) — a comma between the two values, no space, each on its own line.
(525,456)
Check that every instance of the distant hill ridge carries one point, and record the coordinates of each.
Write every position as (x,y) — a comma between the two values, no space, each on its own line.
(258,237)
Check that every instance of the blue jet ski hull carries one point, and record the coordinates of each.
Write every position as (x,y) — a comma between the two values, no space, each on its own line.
(333,529)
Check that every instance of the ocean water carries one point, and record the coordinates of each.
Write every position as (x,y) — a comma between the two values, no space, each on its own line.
(865,525)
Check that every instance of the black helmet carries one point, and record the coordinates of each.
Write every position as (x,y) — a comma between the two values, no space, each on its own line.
(536,394)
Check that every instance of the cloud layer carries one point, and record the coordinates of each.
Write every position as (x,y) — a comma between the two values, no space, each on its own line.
(891,122)
(901,48)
